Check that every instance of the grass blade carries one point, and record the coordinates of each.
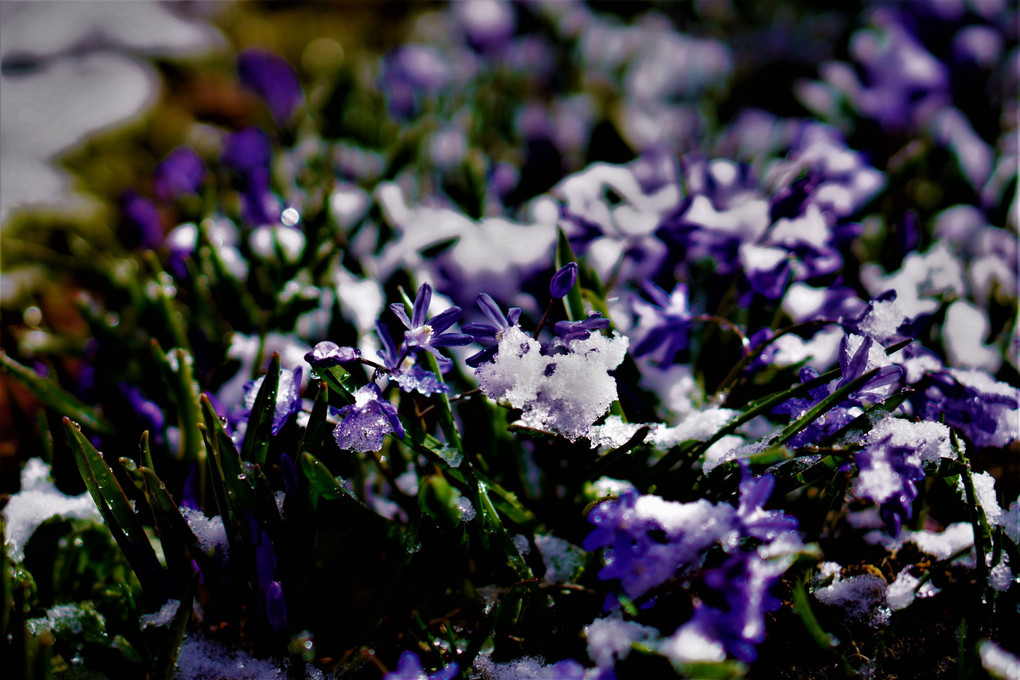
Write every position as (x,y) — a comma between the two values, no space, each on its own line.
(260,422)
(118,514)
(55,397)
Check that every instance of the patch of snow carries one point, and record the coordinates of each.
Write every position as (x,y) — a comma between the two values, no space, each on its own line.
(38,500)
(562,559)
(563,393)
(163,617)
(209,531)
(207,660)
(689,645)
(862,597)
(610,639)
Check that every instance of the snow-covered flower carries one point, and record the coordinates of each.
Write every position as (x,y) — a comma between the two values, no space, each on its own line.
(365,422)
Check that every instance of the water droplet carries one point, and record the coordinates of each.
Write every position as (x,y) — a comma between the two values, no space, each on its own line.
(290,217)
(32,316)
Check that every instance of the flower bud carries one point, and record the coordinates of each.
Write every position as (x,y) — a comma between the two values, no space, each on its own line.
(563,280)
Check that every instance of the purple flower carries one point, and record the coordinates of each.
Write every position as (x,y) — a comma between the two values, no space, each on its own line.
(984,409)
(258,203)
(246,150)
(649,542)
(276,606)
(743,582)
(752,517)
(669,332)
(249,153)
(904,84)
(411,72)
(327,353)
(272,78)
(767,352)
(391,354)
(563,280)
(859,355)
(429,335)
(409,668)
(580,330)
(647,539)
(409,375)
(146,228)
(180,174)
(887,475)
(148,410)
(365,422)
(488,334)
(767,270)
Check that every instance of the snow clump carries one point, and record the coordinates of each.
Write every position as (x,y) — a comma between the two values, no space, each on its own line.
(562,393)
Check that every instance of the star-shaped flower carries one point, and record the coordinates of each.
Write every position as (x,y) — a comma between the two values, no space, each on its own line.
(429,335)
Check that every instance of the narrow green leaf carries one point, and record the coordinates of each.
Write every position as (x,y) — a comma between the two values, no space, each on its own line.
(169,520)
(982,534)
(765,405)
(754,409)
(228,479)
(260,422)
(175,534)
(731,669)
(802,606)
(166,662)
(236,301)
(322,481)
(188,408)
(445,412)
(795,473)
(505,610)
(338,380)
(492,524)
(54,396)
(509,505)
(598,467)
(821,407)
(423,442)
(863,423)
(173,317)
(315,432)
(118,514)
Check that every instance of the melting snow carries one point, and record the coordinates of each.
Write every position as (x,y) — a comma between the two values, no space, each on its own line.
(38,500)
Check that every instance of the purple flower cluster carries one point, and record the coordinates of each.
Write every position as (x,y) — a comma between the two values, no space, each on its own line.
(650,542)
(409,668)
(728,252)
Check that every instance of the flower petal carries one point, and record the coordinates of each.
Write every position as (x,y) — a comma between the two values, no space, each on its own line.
(421,305)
